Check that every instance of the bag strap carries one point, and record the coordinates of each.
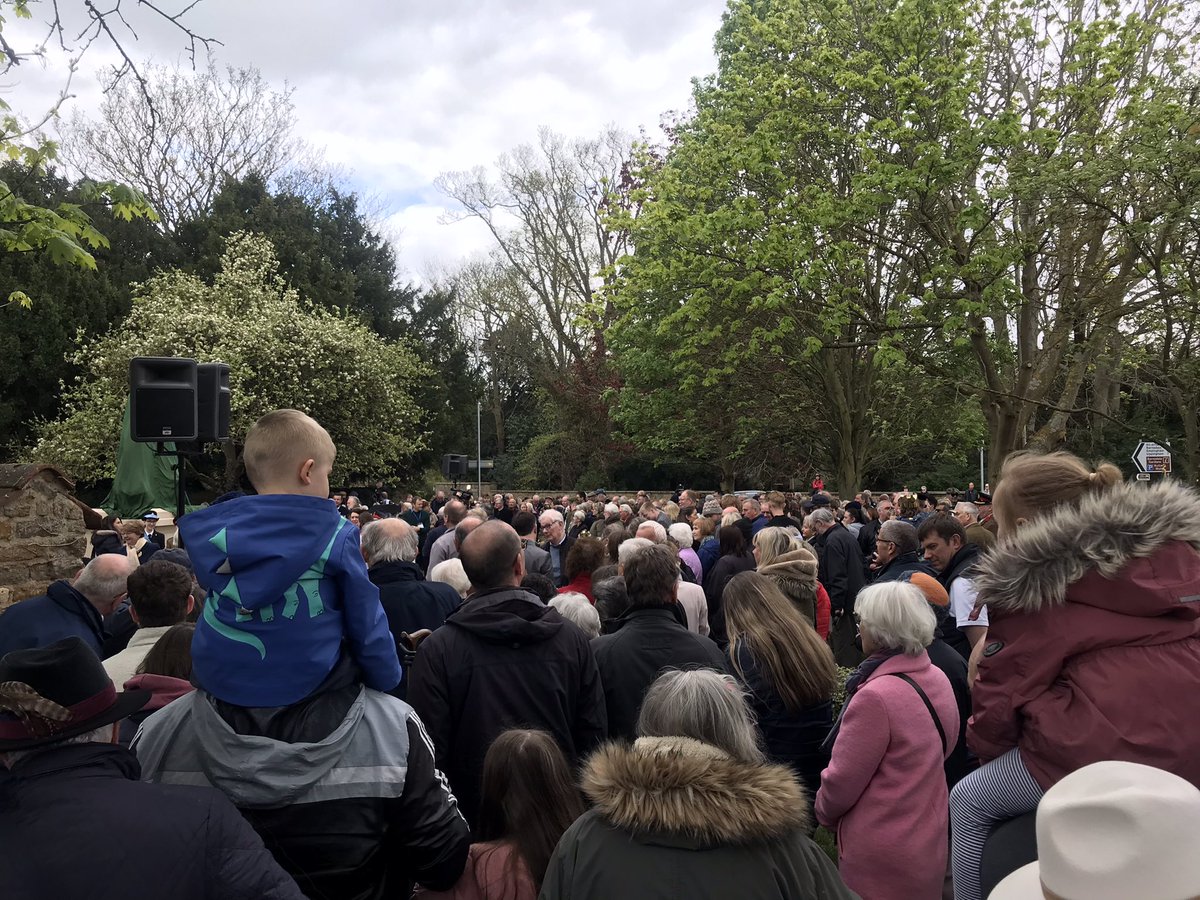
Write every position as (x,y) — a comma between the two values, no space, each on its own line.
(929,706)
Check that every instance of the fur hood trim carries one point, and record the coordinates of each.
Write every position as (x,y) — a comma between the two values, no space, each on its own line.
(796,565)
(1103,532)
(687,788)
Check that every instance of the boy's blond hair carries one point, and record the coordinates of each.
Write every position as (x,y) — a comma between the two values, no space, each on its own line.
(280,442)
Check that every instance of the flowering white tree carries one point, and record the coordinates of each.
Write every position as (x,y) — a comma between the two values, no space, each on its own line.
(281,350)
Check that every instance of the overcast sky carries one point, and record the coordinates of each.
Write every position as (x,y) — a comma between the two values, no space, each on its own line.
(397,92)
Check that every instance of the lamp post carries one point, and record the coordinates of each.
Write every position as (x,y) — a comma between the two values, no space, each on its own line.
(479,447)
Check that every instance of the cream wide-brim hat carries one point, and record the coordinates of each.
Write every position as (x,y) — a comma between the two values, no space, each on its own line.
(1113,831)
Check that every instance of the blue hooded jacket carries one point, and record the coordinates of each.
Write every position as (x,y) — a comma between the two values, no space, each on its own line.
(285,583)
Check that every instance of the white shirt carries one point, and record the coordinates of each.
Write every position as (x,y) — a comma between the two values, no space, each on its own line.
(962,602)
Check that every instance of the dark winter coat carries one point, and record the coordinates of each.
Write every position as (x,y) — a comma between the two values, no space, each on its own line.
(106,542)
(409,601)
(840,567)
(647,641)
(504,660)
(342,786)
(61,612)
(866,538)
(792,739)
(902,565)
(675,818)
(75,821)
(714,587)
(1094,638)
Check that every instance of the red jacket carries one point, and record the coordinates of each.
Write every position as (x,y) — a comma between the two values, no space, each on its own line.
(822,611)
(1093,651)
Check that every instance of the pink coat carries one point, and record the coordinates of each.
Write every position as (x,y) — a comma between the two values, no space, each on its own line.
(885,789)
(491,871)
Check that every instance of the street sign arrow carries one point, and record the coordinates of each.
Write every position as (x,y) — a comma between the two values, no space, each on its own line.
(1152,458)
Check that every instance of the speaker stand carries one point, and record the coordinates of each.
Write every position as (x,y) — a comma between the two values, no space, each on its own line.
(180,483)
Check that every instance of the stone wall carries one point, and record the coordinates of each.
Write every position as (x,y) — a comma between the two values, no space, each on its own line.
(42,536)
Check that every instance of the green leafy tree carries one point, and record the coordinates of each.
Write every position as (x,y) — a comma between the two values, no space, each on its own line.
(328,250)
(64,232)
(772,263)
(282,352)
(35,343)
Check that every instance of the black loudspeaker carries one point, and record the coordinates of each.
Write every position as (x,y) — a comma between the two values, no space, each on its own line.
(212,402)
(454,464)
(162,399)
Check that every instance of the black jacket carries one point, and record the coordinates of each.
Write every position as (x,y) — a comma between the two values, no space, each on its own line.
(961,565)
(75,821)
(409,601)
(902,564)
(714,586)
(866,539)
(958,764)
(840,567)
(647,641)
(504,660)
(341,786)
(792,739)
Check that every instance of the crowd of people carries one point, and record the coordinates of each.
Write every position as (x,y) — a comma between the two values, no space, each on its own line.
(595,696)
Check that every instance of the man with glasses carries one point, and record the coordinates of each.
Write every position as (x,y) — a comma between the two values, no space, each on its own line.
(896,552)
(556,543)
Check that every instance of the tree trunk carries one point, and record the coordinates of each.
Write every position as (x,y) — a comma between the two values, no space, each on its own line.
(233,466)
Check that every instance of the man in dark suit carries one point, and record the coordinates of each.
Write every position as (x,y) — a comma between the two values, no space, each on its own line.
(556,543)
(149,523)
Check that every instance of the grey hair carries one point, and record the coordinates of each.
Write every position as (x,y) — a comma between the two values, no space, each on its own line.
(823,516)
(553,515)
(730,517)
(101,735)
(631,546)
(578,516)
(381,547)
(575,607)
(897,616)
(705,706)
(625,507)
(660,533)
(969,508)
(902,534)
(611,509)
(451,572)
(681,534)
(102,579)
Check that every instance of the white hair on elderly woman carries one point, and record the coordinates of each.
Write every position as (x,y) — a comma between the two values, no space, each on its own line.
(897,617)
(630,547)
(681,534)
(451,572)
(576,608)
(703,705)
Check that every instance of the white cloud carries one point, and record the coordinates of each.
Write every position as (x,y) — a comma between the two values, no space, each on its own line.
(398,92)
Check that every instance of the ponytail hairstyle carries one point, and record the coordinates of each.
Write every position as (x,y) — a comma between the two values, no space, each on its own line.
(1033,484)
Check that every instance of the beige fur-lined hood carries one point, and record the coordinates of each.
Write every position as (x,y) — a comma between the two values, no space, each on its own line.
(1104,532)
(683,787)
